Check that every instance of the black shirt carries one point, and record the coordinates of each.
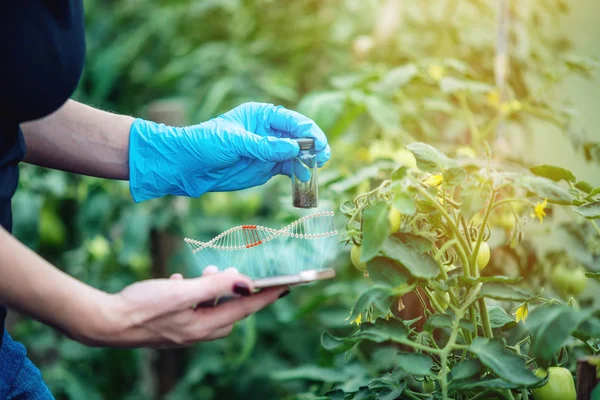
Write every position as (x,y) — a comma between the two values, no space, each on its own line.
(42,51)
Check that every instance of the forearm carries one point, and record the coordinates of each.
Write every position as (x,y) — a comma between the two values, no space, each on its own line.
(80,139)
(32,286)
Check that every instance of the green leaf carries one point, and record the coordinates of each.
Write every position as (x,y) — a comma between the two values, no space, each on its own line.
(479,384)
(589,211)
(355,179)
(474,199)
(593,275)
(553,172)
(399,173)
(394,394)
(383,330)
(376,229)
(379,295)
(582,65)
(405,203)
(386,272)
(445,321)
(415,364)
(502,291)
(471,280)
(418,264)
(594,192)
(324,107)
(396,78)
(429,159)
(499,318)
(335,344)
(504,363)
(383,113)
(453,85)
(336,394)
(547,189)
(584,187)
(347,208)
(550,326)
(389,380)
(588,329)
(454,176)
(379,331)
(596,392)
(465,370)
(310,372)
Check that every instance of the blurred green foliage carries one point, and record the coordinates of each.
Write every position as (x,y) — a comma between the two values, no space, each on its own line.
(372,77)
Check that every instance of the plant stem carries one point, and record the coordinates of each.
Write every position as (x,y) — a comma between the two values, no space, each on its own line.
(421,347)
(483,312)
(425,309)
(510,200)
(445,352)
(485,318)
(595,225)
(434,301)
(461,240)
(473,319)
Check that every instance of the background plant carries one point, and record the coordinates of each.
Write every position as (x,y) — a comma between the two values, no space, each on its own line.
(376,75)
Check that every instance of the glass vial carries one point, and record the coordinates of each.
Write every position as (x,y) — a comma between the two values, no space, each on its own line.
(304,175)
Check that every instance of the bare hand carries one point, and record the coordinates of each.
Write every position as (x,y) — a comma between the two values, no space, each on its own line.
(163,313)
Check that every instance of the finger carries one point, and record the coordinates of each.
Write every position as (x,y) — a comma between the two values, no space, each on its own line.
(296,125)
(210,270)
(235,310)
(176,277)
(323,156)
(302,172)
(266,148)
(226,283)
(220,333)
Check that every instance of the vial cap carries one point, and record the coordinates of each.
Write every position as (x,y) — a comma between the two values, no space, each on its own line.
(306,143)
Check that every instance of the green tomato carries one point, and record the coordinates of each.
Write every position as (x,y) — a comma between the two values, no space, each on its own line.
(568,281)
(98,247)
(428,386)
(443,298)
(578,281)
(355,257)
(394,218)
(51,229)
(560,385)
(483,257)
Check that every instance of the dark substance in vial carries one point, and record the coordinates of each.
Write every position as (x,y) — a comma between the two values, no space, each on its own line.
(305,199)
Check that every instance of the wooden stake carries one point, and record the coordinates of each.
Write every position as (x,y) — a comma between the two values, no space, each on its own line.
(587,378)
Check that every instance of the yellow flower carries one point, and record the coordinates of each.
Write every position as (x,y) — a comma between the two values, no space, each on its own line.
(539,210)
(522,312)
(515,105)
(436,72)
(493,98)
(434,180)
(357,320)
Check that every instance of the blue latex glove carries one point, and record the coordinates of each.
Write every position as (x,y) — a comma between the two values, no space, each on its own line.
(240,149)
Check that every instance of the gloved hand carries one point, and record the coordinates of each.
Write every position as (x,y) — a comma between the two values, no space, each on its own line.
(240,149)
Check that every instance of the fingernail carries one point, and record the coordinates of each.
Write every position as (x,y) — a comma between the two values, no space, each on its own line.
(242,289)
(284,293)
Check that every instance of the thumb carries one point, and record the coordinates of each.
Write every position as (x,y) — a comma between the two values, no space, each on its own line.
(267,148)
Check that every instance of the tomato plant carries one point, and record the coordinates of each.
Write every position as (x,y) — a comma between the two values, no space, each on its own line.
(467,344)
